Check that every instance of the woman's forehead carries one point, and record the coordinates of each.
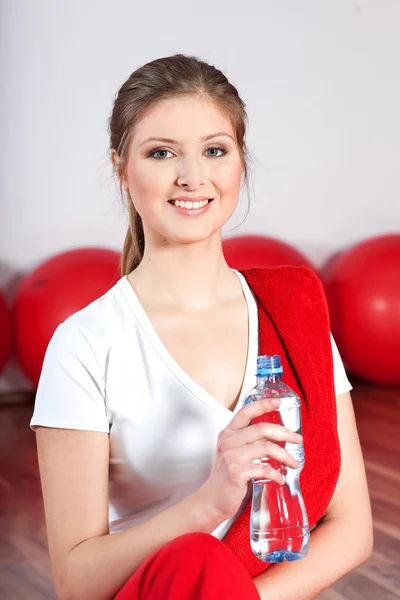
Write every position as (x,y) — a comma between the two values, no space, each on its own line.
(181,118)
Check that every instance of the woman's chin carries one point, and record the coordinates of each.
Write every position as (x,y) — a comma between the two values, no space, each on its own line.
(190,235)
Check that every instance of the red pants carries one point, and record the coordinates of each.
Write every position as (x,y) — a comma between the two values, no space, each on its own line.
(193,566)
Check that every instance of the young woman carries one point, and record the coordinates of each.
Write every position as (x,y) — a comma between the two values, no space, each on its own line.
(145,451)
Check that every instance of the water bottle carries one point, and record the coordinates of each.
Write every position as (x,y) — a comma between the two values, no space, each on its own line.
(278,523)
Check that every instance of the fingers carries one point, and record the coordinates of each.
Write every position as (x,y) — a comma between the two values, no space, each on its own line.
(264,471)
(243,444)
(256,451)
(258,432)
(250,411)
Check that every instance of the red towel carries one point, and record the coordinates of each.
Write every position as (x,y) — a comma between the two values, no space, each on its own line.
(294,323)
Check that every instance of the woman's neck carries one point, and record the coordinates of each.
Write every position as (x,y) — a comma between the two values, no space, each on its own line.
(185,282)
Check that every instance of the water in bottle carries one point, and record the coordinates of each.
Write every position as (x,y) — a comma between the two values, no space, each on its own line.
(278,524)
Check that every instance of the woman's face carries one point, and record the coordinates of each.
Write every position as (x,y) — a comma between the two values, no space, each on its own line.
(187,165)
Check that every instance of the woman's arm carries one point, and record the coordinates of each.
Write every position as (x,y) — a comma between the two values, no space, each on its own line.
(87,562)
(343,538)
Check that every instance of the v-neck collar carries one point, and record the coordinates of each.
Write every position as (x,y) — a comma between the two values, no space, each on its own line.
(196,389)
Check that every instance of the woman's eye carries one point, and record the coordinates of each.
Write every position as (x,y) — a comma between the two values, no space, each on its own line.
(218,149)
(154,153)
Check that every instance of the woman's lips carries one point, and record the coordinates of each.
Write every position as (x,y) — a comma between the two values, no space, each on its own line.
(191,211)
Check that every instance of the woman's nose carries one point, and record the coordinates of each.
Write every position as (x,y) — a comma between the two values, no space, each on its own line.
(191,173)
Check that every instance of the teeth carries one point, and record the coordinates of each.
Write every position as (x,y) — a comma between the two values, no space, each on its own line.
(190,205)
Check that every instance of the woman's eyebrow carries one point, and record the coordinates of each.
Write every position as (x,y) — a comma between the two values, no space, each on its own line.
(170,141)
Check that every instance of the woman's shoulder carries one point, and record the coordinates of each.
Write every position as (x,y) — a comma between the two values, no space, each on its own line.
(72,387)
(100,319)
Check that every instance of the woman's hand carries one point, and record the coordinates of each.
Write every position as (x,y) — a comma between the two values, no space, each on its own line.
(238,445)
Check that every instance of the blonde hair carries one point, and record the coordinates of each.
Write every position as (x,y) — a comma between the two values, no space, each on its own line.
(158,80)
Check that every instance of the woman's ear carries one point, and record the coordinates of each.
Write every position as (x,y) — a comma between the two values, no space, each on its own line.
(116,161)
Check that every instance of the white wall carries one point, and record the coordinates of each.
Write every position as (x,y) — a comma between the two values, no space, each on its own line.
(321,84)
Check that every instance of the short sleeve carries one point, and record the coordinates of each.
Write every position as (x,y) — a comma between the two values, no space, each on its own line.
(70,393)
(342,384)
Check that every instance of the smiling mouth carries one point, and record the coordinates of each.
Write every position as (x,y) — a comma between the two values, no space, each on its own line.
(190,205)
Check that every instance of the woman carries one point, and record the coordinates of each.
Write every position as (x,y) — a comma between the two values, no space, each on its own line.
(144,448)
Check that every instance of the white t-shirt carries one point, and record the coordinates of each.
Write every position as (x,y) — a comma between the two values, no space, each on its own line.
(107,370)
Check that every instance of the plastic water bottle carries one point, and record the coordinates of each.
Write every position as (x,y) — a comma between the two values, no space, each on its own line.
(278,524)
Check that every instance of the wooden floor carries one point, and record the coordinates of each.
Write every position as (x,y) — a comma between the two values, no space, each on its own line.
(24,563)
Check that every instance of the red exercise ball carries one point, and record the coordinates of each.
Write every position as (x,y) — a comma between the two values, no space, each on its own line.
(252,251)
(55,290)
(362,285)
(5,333)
